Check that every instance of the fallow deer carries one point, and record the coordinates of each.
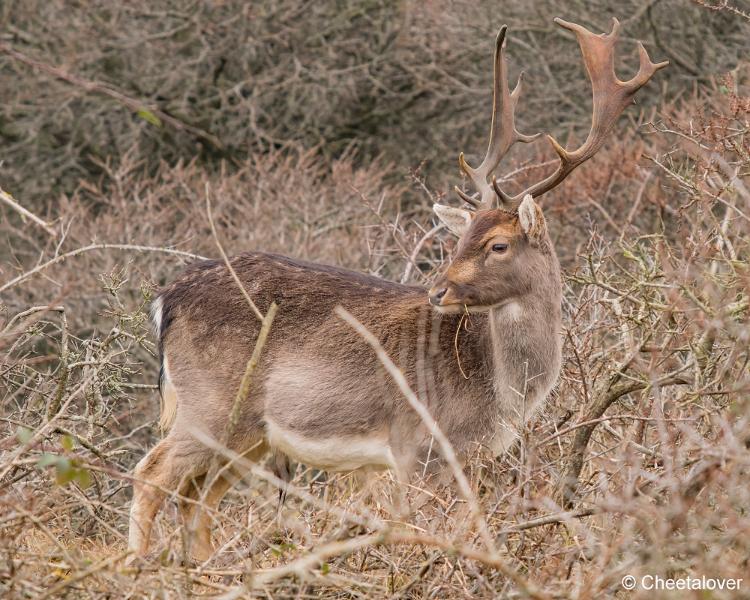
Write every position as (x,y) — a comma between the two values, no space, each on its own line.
(320,396)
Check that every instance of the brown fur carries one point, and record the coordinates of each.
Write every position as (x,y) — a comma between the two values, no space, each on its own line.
(481,375)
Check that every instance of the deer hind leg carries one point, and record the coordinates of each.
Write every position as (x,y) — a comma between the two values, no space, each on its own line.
(197,515)
(147,500)
(207,493)
(165,468)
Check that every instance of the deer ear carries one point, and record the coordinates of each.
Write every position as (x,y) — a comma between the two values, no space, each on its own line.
(455,219)
(532,220)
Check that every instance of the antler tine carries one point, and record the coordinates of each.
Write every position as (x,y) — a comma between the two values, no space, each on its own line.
(503,133)
(611,96)
(466,198)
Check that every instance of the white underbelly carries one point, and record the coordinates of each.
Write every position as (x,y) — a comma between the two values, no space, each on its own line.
(343,453)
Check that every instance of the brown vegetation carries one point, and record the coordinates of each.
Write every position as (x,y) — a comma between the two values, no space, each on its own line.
(323,114)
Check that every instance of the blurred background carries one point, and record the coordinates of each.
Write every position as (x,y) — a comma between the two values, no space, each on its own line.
(325,130)
(405,83)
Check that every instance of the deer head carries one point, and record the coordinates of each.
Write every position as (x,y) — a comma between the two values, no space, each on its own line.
(504,248)
(499,258)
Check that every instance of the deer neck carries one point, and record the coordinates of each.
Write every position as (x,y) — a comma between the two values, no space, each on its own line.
(526,354)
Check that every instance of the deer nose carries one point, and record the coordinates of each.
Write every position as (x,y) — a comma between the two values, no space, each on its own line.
(437,295)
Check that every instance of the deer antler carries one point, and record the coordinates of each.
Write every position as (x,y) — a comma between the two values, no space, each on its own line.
(503,133)
(611,96)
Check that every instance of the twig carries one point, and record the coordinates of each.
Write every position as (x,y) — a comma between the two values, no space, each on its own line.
(101,565)
(580,424)
(62,382)
(413,258)
(77,251)
(549,519)
(612,392)
(150,113)
(367,519)
(44,429)
(226,259)
(9,200)
(28,312)
(252,364)
(304,564)
(445,446)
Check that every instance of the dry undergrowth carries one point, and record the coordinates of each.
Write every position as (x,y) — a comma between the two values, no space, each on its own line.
(638,466)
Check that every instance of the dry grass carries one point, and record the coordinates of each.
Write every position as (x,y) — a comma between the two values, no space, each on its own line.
(638,466)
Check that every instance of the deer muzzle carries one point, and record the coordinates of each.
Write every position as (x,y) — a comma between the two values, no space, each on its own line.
(437,294)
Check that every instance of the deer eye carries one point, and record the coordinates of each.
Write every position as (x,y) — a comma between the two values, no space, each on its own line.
(499,247)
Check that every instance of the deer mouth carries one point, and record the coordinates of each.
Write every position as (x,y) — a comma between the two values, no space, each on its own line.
(451,303)
(447,301)
(453,308)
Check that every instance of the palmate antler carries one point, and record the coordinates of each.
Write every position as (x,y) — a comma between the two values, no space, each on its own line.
(503,133)
(611,96)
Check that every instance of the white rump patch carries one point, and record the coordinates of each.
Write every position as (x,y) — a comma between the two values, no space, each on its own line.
(342,453)
(168,399)
(156,314)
